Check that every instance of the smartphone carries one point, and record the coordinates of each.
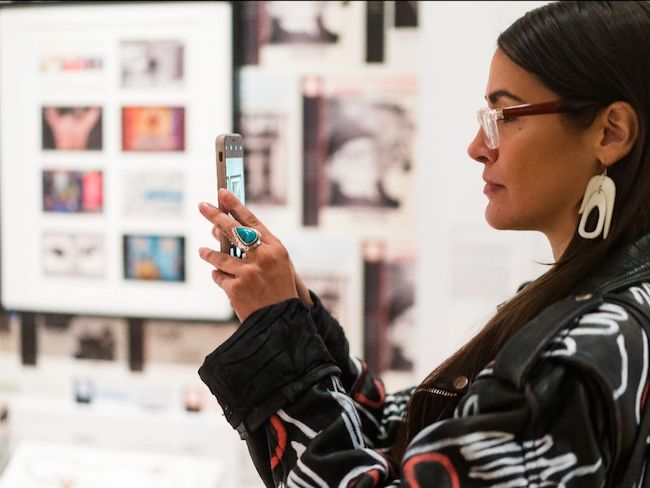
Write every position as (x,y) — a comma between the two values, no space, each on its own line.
(230,175)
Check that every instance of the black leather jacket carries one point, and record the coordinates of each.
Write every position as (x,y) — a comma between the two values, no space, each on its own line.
(560,406)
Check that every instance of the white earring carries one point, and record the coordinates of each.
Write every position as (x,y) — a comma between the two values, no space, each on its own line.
(600,193)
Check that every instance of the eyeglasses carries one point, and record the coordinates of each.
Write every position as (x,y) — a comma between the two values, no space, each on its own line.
(488,117)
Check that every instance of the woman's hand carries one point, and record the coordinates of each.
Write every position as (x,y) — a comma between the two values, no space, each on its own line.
(264,276)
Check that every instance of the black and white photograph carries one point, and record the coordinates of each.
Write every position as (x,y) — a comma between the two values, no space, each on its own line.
(265,147)
(72,254)
(359,144)
(333,290)
(300,23)
(174,342)
(389,306)
(309,32)
(81,337)
(152,63)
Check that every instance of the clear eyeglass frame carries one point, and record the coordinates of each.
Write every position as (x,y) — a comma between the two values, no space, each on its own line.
(488,118)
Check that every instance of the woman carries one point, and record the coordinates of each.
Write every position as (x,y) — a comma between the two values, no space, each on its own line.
(552,391)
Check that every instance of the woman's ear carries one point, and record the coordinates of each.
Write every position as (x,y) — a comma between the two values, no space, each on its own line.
(617,128)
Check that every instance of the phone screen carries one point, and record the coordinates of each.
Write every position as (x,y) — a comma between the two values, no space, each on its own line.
(235,177)
(235,180)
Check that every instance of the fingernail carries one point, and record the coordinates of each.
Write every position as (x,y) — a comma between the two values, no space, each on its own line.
(203,252)
(205,206)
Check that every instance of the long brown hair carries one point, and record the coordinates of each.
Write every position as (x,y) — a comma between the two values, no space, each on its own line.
(582,51)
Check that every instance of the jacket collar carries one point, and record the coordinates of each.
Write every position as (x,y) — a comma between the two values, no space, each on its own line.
(628,265)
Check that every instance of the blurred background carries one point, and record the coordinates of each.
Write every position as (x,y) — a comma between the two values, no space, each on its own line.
(356,116)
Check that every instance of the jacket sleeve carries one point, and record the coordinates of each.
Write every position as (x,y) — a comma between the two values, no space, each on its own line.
(556,431)
(380,413)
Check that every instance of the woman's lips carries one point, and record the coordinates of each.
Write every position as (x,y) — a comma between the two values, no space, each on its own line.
(491,188)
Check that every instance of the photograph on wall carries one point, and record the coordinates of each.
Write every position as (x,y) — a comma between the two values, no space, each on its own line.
(70,63)
(391,32)
(67,128)
(70,68)
(330,266)
(265,146)
(183,342)
(268,117)
(151,63)
(73,254)
(151,129)
(403,34)
(154,194)
(358,145)
(154,257)
(332,289)
(9,335)
(80,337)
(66,191)
(389,306)
(276,33)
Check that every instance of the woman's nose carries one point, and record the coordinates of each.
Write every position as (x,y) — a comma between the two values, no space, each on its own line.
(478,150)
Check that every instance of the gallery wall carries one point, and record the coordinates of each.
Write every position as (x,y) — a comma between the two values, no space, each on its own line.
(356,117)
(109,116)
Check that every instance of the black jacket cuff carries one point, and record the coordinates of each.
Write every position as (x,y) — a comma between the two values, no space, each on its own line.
(274,357)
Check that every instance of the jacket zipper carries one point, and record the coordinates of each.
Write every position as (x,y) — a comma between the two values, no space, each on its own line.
(439,391)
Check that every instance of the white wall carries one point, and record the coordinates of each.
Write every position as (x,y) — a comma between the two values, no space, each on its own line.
(465,267)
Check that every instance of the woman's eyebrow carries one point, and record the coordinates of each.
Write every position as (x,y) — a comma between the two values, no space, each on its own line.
(495,95)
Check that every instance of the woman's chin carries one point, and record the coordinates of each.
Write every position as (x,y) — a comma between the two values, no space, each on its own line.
(497,220)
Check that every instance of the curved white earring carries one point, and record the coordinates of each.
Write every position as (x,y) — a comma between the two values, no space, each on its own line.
(600,193)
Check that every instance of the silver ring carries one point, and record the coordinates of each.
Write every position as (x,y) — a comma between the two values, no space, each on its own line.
(247,238)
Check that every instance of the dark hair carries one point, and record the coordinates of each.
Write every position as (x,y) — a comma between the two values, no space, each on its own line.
(585,51)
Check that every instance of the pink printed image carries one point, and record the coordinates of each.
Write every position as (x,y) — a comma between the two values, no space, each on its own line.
(153,129)
(92,191)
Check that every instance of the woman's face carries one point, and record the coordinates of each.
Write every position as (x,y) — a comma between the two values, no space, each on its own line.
(537,176)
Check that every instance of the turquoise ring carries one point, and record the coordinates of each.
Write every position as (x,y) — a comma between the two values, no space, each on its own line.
(247,238)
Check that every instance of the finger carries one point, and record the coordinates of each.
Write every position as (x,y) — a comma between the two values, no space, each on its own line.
(216,232)
(209,211)
(231,204)
(222,279)
(222,222)
(221,261)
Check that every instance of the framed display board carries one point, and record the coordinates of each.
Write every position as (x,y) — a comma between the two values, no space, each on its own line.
(109,116)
